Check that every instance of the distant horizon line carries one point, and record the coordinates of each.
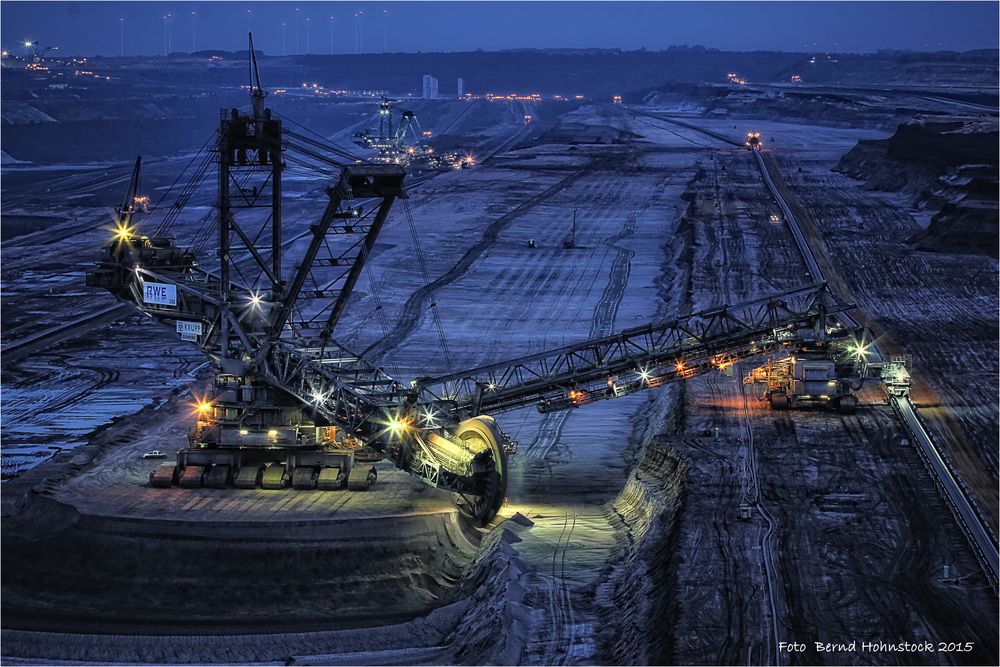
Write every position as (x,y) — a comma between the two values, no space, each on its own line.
(677,48)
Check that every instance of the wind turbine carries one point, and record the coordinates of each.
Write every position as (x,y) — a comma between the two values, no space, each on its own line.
(298,43)
(385,31)
(358,44)
(166,33)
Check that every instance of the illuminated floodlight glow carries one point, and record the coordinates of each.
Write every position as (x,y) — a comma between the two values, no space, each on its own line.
(397,426)
(723,363)
(255,300)
(858,350)
(123,233)
(429,418)
(395,423)
(491,386)
(318,396)
(679,366)
(201,405)
(644,373)
(28,43)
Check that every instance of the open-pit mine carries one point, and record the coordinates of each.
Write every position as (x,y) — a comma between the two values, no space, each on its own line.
(698,372)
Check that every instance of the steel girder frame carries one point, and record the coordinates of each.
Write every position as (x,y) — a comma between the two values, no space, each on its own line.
(654,353)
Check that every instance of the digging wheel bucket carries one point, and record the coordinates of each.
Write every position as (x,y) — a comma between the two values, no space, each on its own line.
(490,469)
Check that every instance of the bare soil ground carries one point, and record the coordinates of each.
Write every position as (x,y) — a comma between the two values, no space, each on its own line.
(837,498)
(939,307)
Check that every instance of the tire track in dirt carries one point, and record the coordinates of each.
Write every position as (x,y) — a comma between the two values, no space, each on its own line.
(606,310)
(417,304)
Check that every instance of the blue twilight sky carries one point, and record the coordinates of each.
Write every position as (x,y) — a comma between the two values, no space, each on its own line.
(88,28)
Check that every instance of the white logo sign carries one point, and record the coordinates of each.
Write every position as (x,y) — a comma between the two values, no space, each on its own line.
(190,328)
(160,293)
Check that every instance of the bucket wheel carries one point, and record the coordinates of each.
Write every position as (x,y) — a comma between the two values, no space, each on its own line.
(489,469)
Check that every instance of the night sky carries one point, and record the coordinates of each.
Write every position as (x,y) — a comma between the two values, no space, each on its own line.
(89,28)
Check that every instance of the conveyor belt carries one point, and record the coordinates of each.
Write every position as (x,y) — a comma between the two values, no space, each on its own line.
(972,523)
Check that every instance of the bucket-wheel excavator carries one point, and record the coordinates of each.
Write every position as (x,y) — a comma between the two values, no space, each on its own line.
(291,406)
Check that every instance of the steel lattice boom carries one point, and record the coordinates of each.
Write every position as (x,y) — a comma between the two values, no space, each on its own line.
(635,358)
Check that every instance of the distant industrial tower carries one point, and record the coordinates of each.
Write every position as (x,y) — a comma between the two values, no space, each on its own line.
(460,88)
(430,87)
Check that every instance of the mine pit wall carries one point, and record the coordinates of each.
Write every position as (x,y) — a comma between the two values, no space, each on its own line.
(268,577)
(639,590)
(495,624)
(464,604)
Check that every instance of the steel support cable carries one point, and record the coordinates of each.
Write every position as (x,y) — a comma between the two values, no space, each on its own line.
(197,179)
(205,145)
(194,157)
(383,322)
(302,140)
(309,167)
(297,124)
(207,226)
(318,163)
(205,233)
(311,153)
(326,147)
(288,145)
(321,138)
(435,316)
